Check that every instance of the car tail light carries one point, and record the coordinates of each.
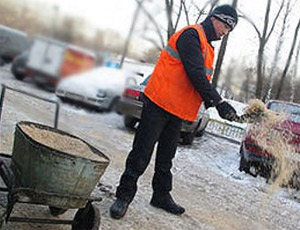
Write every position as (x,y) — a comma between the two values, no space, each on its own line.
(131,93)
(251,145)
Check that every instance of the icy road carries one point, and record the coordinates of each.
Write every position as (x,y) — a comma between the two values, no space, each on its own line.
(206,178)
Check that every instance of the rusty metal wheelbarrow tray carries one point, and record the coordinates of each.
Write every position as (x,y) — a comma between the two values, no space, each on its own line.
(51,177)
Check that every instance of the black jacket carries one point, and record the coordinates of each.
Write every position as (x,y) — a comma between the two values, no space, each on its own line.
(188,47)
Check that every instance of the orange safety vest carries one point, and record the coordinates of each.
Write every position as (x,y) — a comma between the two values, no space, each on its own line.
(169,87)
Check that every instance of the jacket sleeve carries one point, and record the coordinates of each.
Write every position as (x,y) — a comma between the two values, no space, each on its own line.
(188,46)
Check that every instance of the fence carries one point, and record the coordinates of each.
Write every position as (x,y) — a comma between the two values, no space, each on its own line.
(225,130)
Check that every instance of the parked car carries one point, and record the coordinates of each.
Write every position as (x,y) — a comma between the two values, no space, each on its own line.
(131,103)
(257,161)
(99,88)
(18,67)
(12,43)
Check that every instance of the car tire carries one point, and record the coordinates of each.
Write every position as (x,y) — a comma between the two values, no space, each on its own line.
(130,121)
(14,69)
(187,138)
(244,164)
(201,132)
(248,167)
(113,104)
(18,76)
(2,62)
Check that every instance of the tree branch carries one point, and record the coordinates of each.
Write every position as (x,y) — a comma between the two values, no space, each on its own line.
(153,41)
(185,11)
(252,23)
(275,20)
(288,62)
(156,26)
(178,17)
(201,11)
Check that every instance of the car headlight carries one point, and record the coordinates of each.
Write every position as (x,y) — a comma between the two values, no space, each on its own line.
(101,93)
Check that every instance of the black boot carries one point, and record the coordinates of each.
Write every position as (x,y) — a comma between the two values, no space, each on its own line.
(118,209)
(166,202)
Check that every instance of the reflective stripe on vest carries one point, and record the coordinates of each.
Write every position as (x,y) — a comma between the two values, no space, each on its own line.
(175,55)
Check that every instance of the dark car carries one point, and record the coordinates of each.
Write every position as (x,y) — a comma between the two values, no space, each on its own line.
(12,43)
(256,160)
(131,103)
(18,67)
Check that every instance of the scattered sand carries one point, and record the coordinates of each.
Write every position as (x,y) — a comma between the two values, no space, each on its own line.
(273,141)
(63,143)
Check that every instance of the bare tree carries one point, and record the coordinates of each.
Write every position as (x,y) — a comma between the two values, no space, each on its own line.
(66,31)
(157,30)
(135,16)
(171,23)
(279,43)
(295,73)
(174,13)
(201,11)
(263,39)
(288,61)
(221,54)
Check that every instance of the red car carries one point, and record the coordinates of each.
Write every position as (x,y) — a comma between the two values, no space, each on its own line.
(257,161)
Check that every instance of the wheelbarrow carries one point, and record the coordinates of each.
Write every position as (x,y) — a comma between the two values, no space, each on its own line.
(38,173)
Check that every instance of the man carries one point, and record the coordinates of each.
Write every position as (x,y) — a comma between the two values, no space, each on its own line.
(175,91)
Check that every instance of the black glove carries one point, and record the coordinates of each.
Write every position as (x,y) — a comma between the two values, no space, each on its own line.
(207,104)
(226,111)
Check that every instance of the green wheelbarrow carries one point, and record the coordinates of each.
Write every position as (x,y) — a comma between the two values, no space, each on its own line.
(51,167)
(37,173)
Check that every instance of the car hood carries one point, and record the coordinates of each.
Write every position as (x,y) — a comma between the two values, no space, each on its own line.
(89,83)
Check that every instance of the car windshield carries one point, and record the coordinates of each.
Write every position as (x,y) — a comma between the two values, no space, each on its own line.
(144,83)
(291,109)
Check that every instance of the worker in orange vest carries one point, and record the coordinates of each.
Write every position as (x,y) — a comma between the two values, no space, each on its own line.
(177,87)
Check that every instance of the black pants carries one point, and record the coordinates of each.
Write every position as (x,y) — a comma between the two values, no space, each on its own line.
(155,125)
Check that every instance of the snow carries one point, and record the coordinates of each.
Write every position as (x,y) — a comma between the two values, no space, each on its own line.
(207,181)
(88,83)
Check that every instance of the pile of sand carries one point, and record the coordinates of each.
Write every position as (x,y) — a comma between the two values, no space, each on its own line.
(60,142)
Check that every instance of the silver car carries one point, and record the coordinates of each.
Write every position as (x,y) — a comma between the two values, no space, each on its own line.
(131,103)
(99,88)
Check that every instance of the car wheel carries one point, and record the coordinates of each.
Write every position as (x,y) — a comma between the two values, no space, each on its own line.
(248,167)
(1,62)
(18,76)
(187,138)
(295,180)
(244,164)
(130,122)
(16,72)
(200,133)
(113,104)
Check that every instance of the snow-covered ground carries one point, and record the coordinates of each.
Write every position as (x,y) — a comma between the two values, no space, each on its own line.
(206,177)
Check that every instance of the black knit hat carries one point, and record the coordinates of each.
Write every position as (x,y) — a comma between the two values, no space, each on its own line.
(226,14)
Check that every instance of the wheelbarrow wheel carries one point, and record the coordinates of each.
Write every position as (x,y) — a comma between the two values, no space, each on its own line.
(87,218)
(56,211)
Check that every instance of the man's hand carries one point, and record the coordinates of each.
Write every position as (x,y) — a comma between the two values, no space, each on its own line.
(226,111)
